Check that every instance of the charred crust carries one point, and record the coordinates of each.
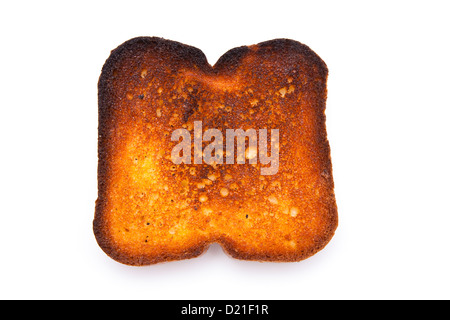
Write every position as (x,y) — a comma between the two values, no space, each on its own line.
(229,61)
(288,47)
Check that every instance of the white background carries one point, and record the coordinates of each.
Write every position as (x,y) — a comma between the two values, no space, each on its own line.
(388,116)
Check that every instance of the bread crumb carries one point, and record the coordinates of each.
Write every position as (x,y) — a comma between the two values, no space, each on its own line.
(251,152)
(207,211)
(272,199)
(291,89)
(293,211)
(224,192)
(207,182)
(200,185)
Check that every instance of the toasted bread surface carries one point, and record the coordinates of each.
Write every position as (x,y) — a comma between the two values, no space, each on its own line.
(151,210)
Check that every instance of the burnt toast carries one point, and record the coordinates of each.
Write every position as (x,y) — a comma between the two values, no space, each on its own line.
(150,209)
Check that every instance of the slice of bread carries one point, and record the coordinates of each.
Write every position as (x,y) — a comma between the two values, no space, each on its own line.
(150,209)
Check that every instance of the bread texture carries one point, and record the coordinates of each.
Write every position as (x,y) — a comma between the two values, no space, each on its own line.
(151,210)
